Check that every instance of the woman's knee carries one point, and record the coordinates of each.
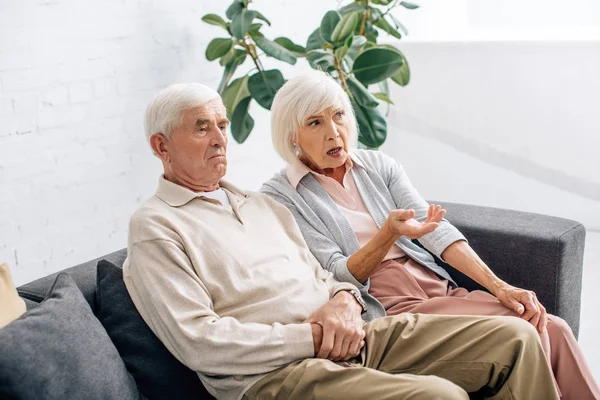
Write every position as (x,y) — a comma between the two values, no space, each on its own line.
(557,324)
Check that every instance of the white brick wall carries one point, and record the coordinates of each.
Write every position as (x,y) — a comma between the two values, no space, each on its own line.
(75,77)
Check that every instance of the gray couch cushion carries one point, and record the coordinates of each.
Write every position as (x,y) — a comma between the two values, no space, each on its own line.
(84,276)
(158,374)
(59,350)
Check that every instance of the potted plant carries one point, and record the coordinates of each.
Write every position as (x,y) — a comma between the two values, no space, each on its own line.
(344,46)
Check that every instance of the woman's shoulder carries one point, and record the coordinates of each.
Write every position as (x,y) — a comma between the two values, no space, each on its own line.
(277,184)
(374,159)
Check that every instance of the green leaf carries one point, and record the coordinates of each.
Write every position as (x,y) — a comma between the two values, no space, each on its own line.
(372,126)
(410,6)
(399,24)
(241,122)
(241,22)
(263,18)
(315,41)
(352,7)
(383,97)
(328,24)
(354,45)
(232,61)
(345,27)
(234,93)
(360,93)
(402,76)
(381,2)
(383,23)
(218,48)
(214,19)
(275,50)
(377,64)
(294,48)
(263,85)
(322,58)
(254,30)
(370,32)
(383,86)
(234,8)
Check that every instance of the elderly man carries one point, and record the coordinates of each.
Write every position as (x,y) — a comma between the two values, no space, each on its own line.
(224,278)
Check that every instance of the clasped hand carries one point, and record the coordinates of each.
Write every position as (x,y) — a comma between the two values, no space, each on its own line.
(402,222)
(337,328)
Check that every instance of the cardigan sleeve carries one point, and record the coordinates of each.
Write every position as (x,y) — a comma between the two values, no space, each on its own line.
(326,251)
(407,197)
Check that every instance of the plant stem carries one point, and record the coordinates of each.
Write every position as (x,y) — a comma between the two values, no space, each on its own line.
(338,68)
(252,55)
(364,20)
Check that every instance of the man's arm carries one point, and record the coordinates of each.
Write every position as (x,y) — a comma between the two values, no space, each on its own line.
(178,308)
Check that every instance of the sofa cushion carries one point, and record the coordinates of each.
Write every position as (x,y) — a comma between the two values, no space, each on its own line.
(84,276)
(158,374)
(59,350)
(11,305)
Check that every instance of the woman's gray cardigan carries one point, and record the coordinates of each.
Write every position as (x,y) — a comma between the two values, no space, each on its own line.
(383,186)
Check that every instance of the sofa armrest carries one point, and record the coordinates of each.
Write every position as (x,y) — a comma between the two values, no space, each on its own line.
(532,251)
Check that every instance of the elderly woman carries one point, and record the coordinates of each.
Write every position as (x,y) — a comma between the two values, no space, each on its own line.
(358,212)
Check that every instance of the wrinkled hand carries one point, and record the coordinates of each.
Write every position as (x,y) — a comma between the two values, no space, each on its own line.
(337,328)
(402,222)
(526,304)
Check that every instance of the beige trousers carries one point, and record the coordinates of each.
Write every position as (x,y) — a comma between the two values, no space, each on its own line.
(429,357)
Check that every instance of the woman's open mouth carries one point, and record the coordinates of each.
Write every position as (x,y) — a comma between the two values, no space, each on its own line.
(335,152)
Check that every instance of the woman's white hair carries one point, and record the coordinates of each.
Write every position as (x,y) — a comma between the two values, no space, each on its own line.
(164,113)
(305,95)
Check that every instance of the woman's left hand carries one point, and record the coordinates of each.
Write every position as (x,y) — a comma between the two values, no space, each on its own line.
(525,303)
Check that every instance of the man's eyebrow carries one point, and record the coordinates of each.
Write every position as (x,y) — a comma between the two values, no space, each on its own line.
(314,116)
(225,120)
(202,121)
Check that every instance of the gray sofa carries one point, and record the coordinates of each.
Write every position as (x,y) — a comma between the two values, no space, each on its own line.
(538,252)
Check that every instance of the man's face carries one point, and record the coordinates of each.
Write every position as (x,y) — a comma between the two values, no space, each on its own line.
(195,153)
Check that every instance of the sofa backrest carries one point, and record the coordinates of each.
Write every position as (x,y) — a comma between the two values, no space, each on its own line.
(84,276)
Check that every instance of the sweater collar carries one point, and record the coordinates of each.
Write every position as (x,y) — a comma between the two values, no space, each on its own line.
(296,172)
(176,195)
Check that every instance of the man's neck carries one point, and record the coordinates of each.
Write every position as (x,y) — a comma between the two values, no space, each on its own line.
(193,186)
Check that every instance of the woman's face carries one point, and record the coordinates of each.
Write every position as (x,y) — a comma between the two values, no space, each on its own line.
(323,139)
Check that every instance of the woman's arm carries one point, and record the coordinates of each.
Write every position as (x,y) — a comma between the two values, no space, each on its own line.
(399,223)
(524,302)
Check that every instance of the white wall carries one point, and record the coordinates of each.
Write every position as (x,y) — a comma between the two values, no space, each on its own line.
(507,124)
(75,77)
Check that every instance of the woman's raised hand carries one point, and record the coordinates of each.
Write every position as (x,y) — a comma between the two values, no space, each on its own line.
(402,222)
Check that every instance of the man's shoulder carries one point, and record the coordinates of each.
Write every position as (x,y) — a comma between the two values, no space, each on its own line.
(150,220)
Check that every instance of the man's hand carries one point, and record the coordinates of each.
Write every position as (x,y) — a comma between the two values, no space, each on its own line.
(525,303)
(337,328)
(401,222)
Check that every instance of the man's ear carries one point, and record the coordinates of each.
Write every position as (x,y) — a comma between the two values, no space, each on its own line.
(157,142)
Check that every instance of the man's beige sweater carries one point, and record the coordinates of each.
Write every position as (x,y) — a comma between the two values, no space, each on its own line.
(226,292)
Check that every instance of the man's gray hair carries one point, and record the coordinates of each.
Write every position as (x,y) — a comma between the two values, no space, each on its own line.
(307,94)
(164,113)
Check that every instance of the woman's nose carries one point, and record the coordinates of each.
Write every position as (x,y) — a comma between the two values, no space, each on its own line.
(332,132)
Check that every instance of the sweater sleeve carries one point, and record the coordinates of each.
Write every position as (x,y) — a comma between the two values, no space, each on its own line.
(406,197)
(177,306)
(325,250)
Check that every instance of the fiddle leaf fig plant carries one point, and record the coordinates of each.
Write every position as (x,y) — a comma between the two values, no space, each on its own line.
(344,46)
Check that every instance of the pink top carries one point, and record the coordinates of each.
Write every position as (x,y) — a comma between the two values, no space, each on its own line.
(348,200)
